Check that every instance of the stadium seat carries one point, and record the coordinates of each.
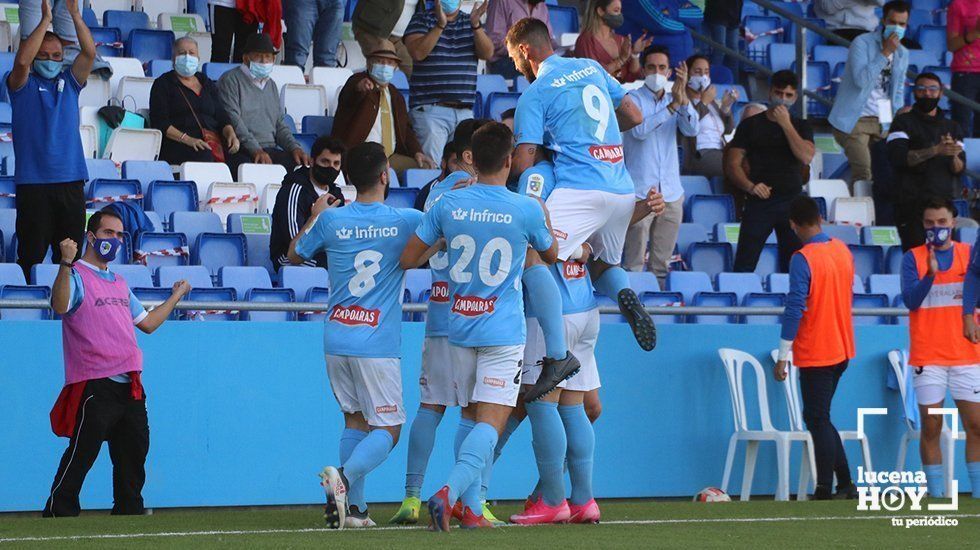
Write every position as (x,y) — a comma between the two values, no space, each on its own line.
(103,192)
(133,144)
(418,177)
(167,197)
(829,189)
(715,299)
(147,45)
(257,229)
(108,41)
(498,102)
(880,235)
(261,175)
(401,197)
(171,18)
(44,274)
(231,198)
(781,56)
(720,74)
(126,21)
(316,124)
(673,299)
(158,67)
(832,55)
(147,171)
(768,260)
(845,233)
(204,174)
(136,275)
(302,279)
(487,84)
(962,208)
(90,137)
(923,58)
(134,92)
(305,140)
(889,285)
(332,79)
(417,281)
(764,30)
(269,295)
(215,250)
(8,194)
(563,19)
(862,301)
(966,235)
(197,275)
(739,283)
(696,185)
(243,278)
(215,70)
(155,220)
(211,295)
(101,169)
(302,100)
(643,281)
(932,38)
(868,259)
(858,286)
(711,258)
(762,299)
(688,234)
(152,294)
(267,197)
(688,283)
(25,292)
(8,223)
(856,211)
(193,224)
(157,249)
(11,274)
(319,295)
(893,260)
(708,210)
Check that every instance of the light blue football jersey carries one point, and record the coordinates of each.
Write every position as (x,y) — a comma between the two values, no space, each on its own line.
(487,230)
(577,294)
(363,243)
(437,317)
(575,101)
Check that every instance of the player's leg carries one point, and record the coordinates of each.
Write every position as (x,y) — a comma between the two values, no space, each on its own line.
(930,385)
(355,430)
(593,405)
(965,385)
(842,470)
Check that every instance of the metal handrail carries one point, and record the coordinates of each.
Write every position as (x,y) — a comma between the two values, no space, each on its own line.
(320,307)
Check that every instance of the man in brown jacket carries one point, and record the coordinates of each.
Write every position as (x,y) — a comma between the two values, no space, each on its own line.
(370,109)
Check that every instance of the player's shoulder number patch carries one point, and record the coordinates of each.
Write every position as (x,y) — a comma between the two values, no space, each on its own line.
(535,185)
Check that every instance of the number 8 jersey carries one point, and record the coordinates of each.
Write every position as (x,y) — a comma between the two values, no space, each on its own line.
(364,243)
(487,230)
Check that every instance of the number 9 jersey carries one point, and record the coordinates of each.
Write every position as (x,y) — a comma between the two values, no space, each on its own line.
(364,243)
(487,230)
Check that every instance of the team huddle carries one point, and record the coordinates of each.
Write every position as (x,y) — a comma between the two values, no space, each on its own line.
(536,250)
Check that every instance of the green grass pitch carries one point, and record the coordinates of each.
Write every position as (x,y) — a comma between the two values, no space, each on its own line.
(626,524)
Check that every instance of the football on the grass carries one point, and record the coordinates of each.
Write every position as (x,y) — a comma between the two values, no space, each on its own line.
(712,494)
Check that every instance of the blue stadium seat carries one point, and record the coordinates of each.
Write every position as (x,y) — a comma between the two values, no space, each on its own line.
(318,125)
(921,58)
(696,185)
(688,234)
(101,169)
(269,295)
(317,294)
(197,275)
(868,259)
(708,210)
(302,279)
(257,229)
(210,295)
(487,84)
(401,197)
(688,283)
(859,287)
(818,81)
(400,81)
(893,260)
(711,258)
(521,83)
(12,250)
(157,67)
(125,21)
(832,55)
(812,38)
(966,235)
(417,281)
(768,260)
(930,5)
(155,220)
(768,30)
(498,102)
(193,224)
(6,113)
(962,208)
(720,74)
(643,281)
(25,292)
(653,299)
(881,235)
(739,283)
(563,19)
(152,294)
(100,190)
(920,18)
(897,302)
(167,197)
(305,140)
(44,274)
(11,274)
(147,171)
(147,45)
(781,56)
(200,7)
(134,274)
(762,299)
(418,177)
(88,15)
(215,250)
(778,283)
(869,301)
(889,285)
(715,299)
(243,278)
(8,191)
(150,242)
(848,234)
(105,39)
(215,70)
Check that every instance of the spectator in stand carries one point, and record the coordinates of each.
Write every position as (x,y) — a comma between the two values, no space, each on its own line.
(666,21)
(251,101)
(446,44)
(848,19)
(51,169)
(599,41)
(778,147)
(722,21)
(228,27)
(184,105)
(501,16)
(369,109)
(650,151)
(384,20)
(297,199)
(963,39)
(447,166)
(872,89)
(926,152)
(312,21)
(29,13)
(703,153)
(507,118)
(736,192)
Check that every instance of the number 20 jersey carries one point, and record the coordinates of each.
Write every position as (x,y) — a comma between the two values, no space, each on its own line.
(574,101)
(487,230)
(364,243)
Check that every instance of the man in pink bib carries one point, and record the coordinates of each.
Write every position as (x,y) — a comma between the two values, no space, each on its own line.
(103,397)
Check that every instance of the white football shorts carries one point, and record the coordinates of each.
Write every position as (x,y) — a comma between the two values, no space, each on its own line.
(581,334)
(490,374)
(597,217)
(371,386)
(437,384)
(931,383)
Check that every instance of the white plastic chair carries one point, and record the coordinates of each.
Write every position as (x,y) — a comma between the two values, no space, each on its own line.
(204,174)
(204,43)
(13,25)
(153,8)
(226,198)
(133,144)
(568,39)
(123,67)
(734,361)
(267,198)
(261,174)
(857,211)
(6,37)
(863,188)
(828,189)
(90,141)
(137,88)
(96,92)
(331,78)
(287,74)
(351,52)
(299,100)
(899,361)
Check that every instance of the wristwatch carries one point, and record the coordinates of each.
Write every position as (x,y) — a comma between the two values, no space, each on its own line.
(69,265)
(478,26)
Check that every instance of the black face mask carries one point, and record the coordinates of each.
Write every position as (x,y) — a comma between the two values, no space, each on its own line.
(614,20)
(324,175)
(926,104)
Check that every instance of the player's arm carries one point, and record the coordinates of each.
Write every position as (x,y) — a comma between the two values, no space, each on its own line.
(156,316)
(803,149)
(914,289)
(523,157)
(82,66)
(971,292)
(799,289)
(628,114)
(28,50)
(733,160)
(548,254)
(417,252)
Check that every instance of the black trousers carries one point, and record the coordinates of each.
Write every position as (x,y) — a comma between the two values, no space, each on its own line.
(227,25)
(908,218)
(817,386)
(46,215)
(759,219)
(107,413)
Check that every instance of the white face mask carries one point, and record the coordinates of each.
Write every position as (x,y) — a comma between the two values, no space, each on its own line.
(699,83)
(656,82)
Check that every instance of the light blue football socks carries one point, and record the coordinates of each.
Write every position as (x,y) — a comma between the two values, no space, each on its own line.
(421,439)
(581,451)
(549,449)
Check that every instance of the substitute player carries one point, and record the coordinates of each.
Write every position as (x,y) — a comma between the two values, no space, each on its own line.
(584,109)
(362,337)
(932,289)
(488,230)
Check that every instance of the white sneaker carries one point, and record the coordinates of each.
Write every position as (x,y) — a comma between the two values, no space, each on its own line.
(335,487)
(356,522)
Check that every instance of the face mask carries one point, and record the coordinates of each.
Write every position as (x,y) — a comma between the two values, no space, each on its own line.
(324,175)
(780,101)
(260,70)
(449,6)
(613,20)
(107,248)
(382,73)
(926,104)
(656,82)
(938,236)
(897,30)
(47,68)
(186,65)
(700,83)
